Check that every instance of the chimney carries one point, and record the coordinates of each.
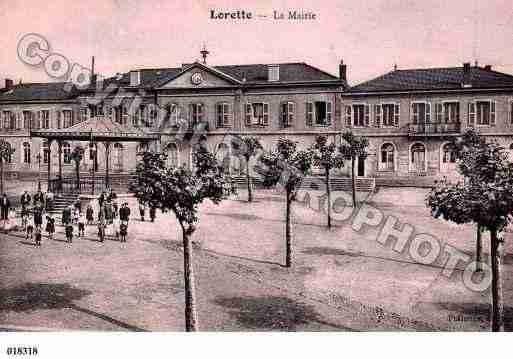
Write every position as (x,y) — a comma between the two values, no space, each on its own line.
(488,67)
(9,84)
(342,71)
(466,75)
(273,73)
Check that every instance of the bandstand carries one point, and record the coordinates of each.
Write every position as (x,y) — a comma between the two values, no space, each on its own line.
(93,131)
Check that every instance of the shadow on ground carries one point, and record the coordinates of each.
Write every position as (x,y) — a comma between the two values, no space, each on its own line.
(237,216)
(38,296)
(478,312)
(272,313)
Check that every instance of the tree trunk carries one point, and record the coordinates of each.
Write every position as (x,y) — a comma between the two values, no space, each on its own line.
(248,181)
(2,176)
(497,304)
(328,193)
(191,317)
(353,182)
(479,249)
(288,231)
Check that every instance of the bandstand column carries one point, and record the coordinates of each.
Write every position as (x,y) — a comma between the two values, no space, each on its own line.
(59,143)
(49,140)
(107,160)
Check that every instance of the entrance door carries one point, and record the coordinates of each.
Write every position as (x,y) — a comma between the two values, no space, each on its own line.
(418,157)
(360,167)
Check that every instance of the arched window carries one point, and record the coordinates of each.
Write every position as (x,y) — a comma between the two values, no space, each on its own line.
(448,153)
(172,155)
(26,152)
(418,157)
(118,156)
(387,155)
(66,152)
(46,151)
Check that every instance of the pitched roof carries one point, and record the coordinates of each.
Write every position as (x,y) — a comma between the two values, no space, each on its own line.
(98,127)
(254,74)
(434,79)
(38,91)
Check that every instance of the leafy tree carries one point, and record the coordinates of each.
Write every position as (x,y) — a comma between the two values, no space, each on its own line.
(77,155)
(181,191)
(287,166)
(247,147)
(6,151)
(328,157)
(485,198)
(353,147)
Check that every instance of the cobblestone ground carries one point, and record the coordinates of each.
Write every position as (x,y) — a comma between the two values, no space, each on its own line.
(341,279)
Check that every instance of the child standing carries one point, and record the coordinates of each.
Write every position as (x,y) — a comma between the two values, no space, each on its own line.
(89,214)
(50,226)
(30,229)
(123,231)
(142,210)
(38,236)
(69,233)
(81,225)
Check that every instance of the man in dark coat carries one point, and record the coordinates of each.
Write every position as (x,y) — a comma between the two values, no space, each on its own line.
(25,199)
(124,213)
(39,197)
(5,205)
(66,215)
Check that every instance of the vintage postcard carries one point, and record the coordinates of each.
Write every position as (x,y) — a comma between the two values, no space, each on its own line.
(258,166)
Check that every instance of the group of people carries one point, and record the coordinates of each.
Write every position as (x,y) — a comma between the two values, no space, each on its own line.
(33,210)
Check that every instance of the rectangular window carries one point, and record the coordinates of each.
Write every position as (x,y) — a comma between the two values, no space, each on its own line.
(359,115)
(223,114)
(287,114)
(322,113)
(511,112)
(451,112)
(195,113)
(388,113)
(27,119)
(45,119)
(377,115)
(67,118)
(421,112)
(485,113)
(257,114)
(9,119)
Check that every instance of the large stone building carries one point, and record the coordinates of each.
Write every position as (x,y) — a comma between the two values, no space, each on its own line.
(408,115)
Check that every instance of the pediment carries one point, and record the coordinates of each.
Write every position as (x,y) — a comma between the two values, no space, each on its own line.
(199,76)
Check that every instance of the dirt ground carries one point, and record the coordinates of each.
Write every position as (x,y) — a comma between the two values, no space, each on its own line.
(342,279)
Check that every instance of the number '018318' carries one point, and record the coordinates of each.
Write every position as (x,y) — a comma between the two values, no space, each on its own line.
(15,351)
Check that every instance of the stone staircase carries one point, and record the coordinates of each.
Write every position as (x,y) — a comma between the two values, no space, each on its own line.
(61,201)
(363,184)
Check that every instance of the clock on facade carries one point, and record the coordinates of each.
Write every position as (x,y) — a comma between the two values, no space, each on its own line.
(196,78)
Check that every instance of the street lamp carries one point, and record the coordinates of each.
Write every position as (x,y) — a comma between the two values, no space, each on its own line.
(92,151)
(39,173)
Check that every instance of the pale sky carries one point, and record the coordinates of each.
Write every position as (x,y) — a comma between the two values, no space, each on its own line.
(369,35)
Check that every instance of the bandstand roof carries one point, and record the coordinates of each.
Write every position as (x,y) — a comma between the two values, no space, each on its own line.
(97,129)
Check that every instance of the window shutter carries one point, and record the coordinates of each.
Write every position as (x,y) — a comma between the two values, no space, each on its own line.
(292,110)
(249,114)
(328,113)
(492,113)
(18,120)
(58,118)
(309,113)
(428,112)
(284,114)
(367,115)
(377,115)
(349,116)
(265,114)
(413,114)
(219,114)
(397,112)
(38,120)
(471,113)
(511,112)
(227,114)
(438,112)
